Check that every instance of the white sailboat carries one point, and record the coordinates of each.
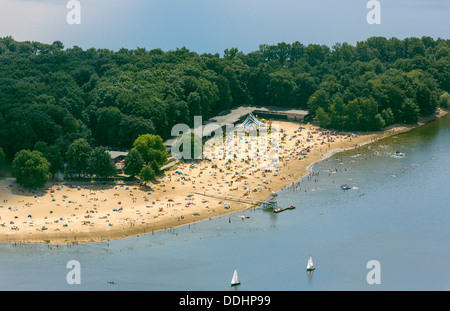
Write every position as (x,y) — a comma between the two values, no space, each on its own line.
(310,265)
(235,281)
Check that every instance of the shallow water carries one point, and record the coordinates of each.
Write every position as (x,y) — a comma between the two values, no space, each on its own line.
(397,213)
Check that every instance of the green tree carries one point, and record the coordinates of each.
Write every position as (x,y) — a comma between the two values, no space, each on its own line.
(444,100)
(70,125)
(388,116)
(101,164)
(109,98)
(337,116)
(319,98)
(281,88)
(78,155)
(426,100)
(410,111)
(31,169)
(151,147)
(231,53)
(133,163)
(2,156)
(155,167)
(378,122)
(323,117)
(108,126)
(306,86)
(237,92)
(147,174)
(52,154)
(315,54)
(257,85)
(353,113)
(369,119)
(130,129)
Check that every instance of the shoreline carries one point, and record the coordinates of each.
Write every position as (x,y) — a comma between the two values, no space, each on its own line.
(122,219)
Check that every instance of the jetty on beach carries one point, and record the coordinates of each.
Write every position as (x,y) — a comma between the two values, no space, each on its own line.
(241,200)
(272,204)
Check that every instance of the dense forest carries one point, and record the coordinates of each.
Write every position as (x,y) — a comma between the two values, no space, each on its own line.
(54,95)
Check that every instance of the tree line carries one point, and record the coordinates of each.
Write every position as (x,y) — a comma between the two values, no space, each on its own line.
(51,96)
(34,168)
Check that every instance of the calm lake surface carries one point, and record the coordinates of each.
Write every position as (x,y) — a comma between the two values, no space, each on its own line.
(397,212)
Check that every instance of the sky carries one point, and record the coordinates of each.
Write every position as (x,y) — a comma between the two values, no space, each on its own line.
(211,26)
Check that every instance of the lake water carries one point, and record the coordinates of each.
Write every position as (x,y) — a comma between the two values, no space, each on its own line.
(397,213)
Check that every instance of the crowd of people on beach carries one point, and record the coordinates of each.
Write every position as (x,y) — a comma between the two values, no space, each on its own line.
(238,173)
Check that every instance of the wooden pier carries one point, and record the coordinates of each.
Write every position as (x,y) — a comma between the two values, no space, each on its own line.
(241,200)
(282,209)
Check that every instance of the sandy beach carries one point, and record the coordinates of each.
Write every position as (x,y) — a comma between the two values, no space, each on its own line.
(80,213)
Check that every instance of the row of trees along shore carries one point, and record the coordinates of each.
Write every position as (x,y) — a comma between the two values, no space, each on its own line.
(34,168)
(52,97)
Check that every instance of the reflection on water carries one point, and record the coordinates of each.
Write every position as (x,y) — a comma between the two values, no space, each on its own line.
(396,212)
(310,275)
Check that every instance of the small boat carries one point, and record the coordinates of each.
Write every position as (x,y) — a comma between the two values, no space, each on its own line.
(291,207)
(235,281)
(345,187)
(398,154)
(310,265)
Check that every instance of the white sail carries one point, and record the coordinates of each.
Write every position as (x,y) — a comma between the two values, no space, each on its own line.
(235,280)
(310,265)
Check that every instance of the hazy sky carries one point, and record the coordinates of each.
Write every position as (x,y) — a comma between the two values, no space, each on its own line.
(211,26)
